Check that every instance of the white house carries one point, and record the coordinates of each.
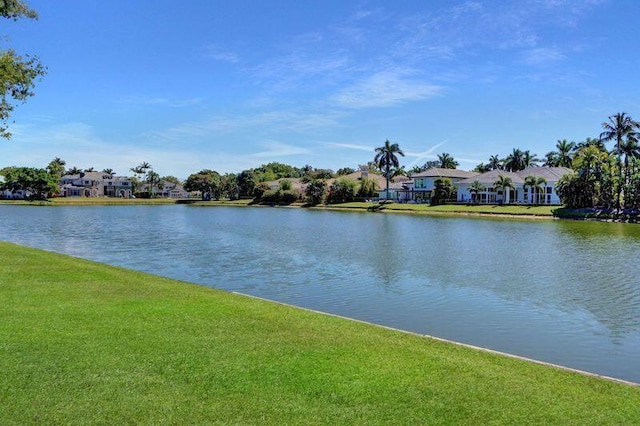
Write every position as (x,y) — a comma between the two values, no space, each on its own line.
(520,193)
(424,182)
(95,184)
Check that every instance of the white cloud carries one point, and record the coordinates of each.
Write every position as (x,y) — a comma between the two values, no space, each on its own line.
(277,149)
(542,56)
(160,101)
(383,89)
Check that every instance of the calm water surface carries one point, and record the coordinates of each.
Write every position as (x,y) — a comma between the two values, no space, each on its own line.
(558,291)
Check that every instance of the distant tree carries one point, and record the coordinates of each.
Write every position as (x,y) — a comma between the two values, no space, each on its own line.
(39,183)
(505,183)
(17,74)
(108,171)
(152,180)
(495,163)
(315,190)
(285,185)
(482,168)
(446,161)
(443,190)
(345,171)
(342,190)
(74,171)
(536,184)
(562,156)
(171,179)
(246,183)
(368,188)
(476,188)
(56,168)
(90,169)
(519,160)
(619,128)
(207,182)
(386,159)
(275,170)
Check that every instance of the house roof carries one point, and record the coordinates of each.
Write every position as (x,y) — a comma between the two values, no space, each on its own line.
(551,174)
(447,173)
(490,177)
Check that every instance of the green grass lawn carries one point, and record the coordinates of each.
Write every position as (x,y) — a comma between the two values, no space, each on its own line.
(512,210)
(85,343)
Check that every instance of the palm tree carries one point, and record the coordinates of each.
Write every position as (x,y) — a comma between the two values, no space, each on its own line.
(529,160)
(74,171)
(386,160)
(108,171)
(619,127)
(504,183)
(446,161)
(475,188)
(514,161)
(495,163)
(565,150)
(537,185)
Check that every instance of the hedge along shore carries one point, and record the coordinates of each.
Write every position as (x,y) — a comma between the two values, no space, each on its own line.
(82,342)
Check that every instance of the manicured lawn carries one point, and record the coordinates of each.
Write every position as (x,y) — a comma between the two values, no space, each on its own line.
(85,343)
(453,209)
(87,201)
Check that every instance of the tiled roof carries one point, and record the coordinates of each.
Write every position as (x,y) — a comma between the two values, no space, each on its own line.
(447,173)
(551,174)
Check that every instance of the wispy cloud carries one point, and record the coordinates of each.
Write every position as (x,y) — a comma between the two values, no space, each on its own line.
(420,156)
(160,101)
(385,88)
(218,54)
(274,150)
(350,146)
(542,56)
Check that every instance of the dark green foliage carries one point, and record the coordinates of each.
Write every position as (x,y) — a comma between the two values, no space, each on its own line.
(38,183)
(280,196)
(342,190)
(17,73)
(345,171)
(443,190)
(247,183)
(315,191)
(208,182)
(368,188)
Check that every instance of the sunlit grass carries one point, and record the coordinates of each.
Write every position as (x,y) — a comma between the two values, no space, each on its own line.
(82,342)
(452,208)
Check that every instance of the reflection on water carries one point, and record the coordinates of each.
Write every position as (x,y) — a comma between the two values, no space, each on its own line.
(560,291)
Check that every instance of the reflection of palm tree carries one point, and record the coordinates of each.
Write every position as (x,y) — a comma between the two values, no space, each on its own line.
(504,183)
(386,160)
(475,188)
(619,128)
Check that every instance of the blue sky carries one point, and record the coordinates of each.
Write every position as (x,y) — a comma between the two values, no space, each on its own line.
(229,85)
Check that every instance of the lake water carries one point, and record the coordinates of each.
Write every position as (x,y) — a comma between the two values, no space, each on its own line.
(558,291)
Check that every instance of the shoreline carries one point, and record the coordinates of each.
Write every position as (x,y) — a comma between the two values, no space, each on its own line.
(450,210)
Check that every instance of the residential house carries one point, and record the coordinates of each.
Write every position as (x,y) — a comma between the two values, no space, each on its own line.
(95,184)
(520,193)
(165,189)
(424,182)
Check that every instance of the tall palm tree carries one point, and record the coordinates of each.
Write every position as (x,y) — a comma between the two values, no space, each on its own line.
(386,160)
(537,185)
(495,163)
(529,160)
(514,161)
(504,183)
(619,127)
(565,151)
(446,161)
(475,188)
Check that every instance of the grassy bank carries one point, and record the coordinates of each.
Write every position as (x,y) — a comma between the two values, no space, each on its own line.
(84,343)
(91,201)
(508,210)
